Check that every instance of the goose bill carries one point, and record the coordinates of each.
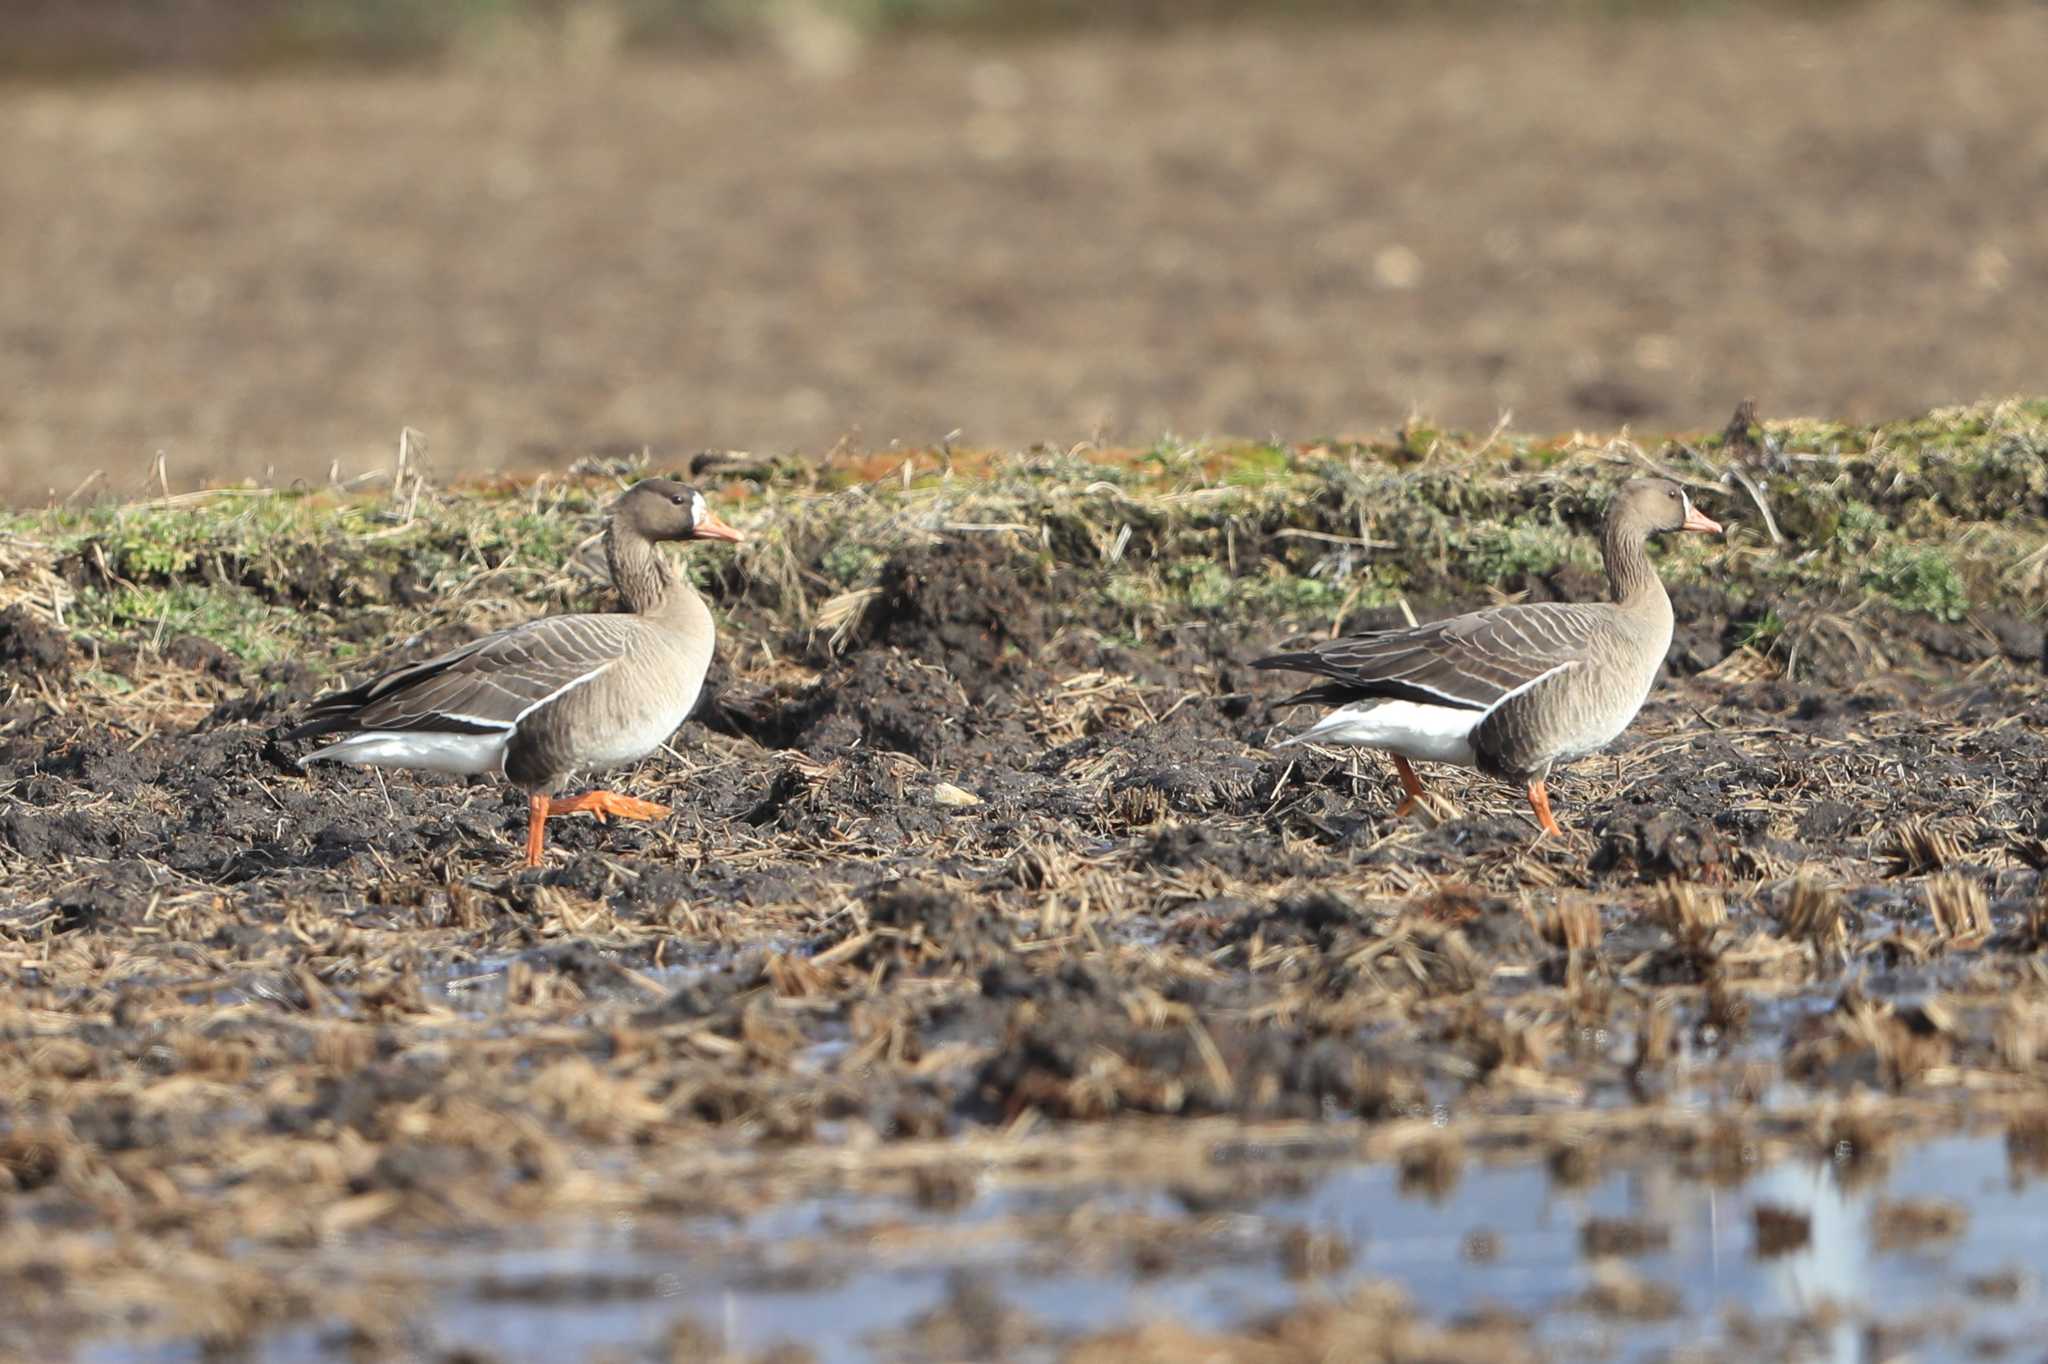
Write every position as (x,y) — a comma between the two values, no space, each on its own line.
(1695,519)
(710,527)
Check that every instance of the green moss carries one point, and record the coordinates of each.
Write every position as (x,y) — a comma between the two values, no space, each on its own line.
(1919,578)
(1858,526)
(229,616)
(1255,465)
(1762,632)
(850,563)
(1823,438)
(1517,551)
(1417,442)
(1129,594)
(540,540)
(1202,584)
(1931,514)
(1289,597)
(107,681)
(1205,587)
(1287,594)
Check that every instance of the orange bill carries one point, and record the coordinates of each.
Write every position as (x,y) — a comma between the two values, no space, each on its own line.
(710,527)
(1695,519)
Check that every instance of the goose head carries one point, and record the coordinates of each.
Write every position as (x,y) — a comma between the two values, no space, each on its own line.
(664,509)
(1651,506)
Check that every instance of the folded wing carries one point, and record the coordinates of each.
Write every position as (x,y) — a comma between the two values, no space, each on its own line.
(484,687)
(1471,662)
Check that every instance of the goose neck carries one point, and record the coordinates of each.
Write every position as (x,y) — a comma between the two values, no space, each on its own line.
(644,578)
(1631,578)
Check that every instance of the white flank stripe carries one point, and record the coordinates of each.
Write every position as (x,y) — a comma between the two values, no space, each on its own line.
(473,719)
(1512,692)
(1460,702)
(563,690)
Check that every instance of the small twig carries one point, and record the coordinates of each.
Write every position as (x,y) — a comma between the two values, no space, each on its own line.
(90,479)
(1326,537)
(1507,416)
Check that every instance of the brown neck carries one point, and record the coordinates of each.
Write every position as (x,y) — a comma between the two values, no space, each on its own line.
(1630,576)
(642,576)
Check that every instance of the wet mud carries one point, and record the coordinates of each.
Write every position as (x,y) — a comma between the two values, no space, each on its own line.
(1020,926)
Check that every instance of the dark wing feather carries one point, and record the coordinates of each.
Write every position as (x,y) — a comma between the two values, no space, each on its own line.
(486,685)
(1469,662)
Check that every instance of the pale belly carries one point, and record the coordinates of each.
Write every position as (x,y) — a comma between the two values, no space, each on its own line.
(629,730)
(1597,737)
(628,738)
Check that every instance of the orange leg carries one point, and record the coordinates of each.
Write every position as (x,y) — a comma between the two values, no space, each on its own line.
(1410,783)
(602,803)
(598,804)
(536,827)
(1539,801)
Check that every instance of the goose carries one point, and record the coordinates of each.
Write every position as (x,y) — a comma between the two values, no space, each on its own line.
(553,697)
(1510,690)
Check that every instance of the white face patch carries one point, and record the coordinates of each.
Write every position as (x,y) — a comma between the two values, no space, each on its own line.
(697,509)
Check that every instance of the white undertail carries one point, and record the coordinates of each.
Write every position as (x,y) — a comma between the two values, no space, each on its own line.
(465,755)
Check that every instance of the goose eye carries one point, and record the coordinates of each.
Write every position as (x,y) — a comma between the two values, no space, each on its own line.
(678,499)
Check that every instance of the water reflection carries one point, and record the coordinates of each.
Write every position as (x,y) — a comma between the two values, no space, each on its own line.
(1791,1258)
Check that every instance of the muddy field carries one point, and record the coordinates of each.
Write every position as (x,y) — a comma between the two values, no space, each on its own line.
(538,252)
(996,990)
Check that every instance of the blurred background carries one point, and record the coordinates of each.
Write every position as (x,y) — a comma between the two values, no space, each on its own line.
(260,236)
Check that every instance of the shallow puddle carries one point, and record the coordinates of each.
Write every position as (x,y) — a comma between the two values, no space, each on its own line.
(1799,1261)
